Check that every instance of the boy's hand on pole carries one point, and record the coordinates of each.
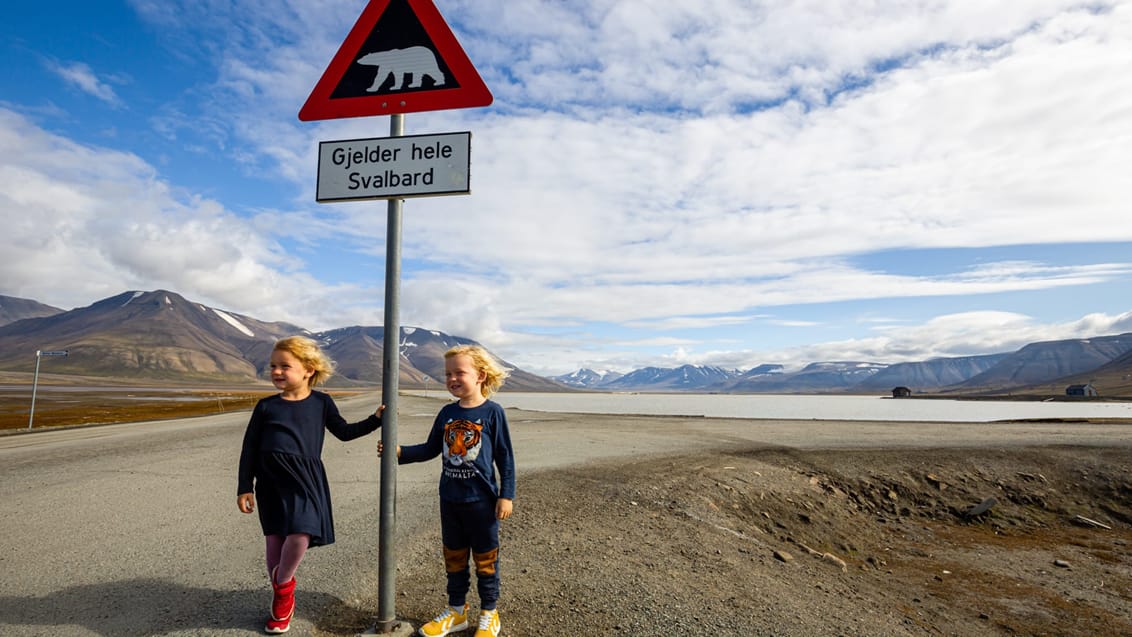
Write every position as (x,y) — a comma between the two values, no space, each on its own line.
(503,508)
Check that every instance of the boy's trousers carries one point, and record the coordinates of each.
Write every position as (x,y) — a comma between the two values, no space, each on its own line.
(470,530)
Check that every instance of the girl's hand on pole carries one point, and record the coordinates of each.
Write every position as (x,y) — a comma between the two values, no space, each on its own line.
(379,411)
(503,508)
(381,449)
(246,502)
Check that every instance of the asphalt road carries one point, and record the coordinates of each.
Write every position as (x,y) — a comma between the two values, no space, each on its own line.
(132,530)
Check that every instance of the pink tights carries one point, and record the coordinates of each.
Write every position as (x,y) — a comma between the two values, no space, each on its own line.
(286,552)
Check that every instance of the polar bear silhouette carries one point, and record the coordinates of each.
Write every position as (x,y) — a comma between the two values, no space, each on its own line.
(417,61)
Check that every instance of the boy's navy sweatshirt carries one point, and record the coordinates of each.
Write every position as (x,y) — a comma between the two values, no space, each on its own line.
(474,443)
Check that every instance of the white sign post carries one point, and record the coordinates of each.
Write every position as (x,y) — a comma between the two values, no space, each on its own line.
(35,380)
(394,167)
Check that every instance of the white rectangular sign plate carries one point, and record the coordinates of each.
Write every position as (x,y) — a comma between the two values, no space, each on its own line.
(394,167)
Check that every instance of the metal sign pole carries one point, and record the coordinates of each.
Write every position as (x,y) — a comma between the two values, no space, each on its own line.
(35,381)
(34,386)
(382,33)
(387,562)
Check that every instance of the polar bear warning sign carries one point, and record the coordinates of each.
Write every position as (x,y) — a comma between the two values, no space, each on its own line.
(400,57)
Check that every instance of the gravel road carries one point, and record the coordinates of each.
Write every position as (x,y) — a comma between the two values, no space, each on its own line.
(132,530)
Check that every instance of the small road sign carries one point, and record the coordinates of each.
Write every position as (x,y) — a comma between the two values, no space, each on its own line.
(394,167)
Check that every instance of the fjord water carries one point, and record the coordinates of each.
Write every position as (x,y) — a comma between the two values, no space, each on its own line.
(790,407)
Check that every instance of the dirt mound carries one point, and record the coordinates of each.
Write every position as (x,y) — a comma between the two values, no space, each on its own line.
(1027,541)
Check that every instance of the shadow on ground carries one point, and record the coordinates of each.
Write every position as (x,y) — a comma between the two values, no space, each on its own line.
(140,607)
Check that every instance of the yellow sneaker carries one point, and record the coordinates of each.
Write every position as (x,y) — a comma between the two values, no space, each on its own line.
(489,624)
(450,620)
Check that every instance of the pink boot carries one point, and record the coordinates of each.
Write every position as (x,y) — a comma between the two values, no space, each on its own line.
(282,606)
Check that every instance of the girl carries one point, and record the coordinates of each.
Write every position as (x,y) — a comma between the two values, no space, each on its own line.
(282,461)
(472,435)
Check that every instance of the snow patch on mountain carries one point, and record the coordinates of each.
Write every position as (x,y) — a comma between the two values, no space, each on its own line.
(231,320)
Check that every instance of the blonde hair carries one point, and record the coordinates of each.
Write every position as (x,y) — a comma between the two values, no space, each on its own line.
(310,355)
(494,373)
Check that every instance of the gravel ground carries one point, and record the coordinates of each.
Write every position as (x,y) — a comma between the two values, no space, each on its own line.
(630,525)
(780,542)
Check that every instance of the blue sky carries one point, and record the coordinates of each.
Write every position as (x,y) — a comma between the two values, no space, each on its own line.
(657,183)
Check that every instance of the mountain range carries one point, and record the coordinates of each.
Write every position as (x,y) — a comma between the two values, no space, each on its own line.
(161,336)
(1038,368)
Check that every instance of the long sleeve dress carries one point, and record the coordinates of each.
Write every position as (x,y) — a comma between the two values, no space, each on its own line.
(282,460)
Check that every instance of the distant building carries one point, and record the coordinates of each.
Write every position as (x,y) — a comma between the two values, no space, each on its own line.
(901,392)
(1081,390)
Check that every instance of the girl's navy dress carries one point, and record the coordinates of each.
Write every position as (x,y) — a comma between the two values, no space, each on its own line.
(282,460)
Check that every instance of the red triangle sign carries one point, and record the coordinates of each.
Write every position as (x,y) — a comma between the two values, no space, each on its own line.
(400,57)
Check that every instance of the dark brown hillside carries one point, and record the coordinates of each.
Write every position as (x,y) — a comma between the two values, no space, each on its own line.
(154,335)
(14,309)
(1111,380)
(160,336)
(358,352)
(931,374)
(424,349)
(1048,362)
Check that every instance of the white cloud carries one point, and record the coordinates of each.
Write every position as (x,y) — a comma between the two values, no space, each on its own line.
(83,223)
(606,214)
(81,76)
(670,168)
